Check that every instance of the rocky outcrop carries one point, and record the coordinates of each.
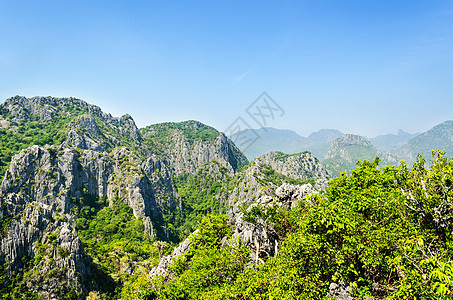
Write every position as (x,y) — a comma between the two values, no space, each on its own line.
(346,151)
(254,182)
(346,140)
(83,132)
(162,269)
(186,157)
(40,191)
(258,233)
(302,166)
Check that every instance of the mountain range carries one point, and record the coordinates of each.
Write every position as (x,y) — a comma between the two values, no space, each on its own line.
(93,207)
(287,141)
(88,200)
(325,144)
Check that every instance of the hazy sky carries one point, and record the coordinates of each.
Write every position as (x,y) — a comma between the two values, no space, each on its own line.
(365,67)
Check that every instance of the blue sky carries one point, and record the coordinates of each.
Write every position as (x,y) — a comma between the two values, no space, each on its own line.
(364,67)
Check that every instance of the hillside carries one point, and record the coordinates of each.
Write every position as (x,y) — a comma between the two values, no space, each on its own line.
(389,142)
(72,172)
(95,196)
(438,137)
(91,207)
(345,151)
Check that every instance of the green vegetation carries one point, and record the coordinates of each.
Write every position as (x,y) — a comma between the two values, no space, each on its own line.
(116,241)
(5,222)
(200,194)
(31,133)
(159,136)
(337,164)
(271,176)
(385,231)
(208,267)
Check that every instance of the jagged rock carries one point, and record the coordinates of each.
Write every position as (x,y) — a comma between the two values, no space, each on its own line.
(40,188)
(290,194)
(162,268)
(3,123)
(252,184)
(340,291)
(259,236)
(301,166)
(187,158)
(343,291)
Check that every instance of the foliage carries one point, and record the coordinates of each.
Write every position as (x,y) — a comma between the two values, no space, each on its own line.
(208,267)
(32,132)
(5,223)
(271,176)
(387,232)
(200,195)
(116,241)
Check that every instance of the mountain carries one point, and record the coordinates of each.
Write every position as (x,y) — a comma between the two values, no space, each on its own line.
(91,207)
(187,146)
(319,142)
(287,141)
(438,137)
(345,151)
(79,183)
(389,142)
(88,202)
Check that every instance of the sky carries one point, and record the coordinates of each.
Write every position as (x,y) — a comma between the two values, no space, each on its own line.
(362,67)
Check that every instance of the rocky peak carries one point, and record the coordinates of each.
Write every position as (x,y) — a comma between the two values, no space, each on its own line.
(301,166)
(347,140)
(187,146)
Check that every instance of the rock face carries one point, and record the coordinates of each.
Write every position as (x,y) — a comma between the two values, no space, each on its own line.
(162,269)
(101,157)
(337,147)
(344,153)
(439,137)
(301,166)
(186,158)
(42,187)
(187,146)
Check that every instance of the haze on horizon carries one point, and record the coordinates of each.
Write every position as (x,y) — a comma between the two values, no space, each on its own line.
(367,68)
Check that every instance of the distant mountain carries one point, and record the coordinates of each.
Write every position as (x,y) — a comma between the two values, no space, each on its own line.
(287,141)
(345,151)
(319,141)
(438,137)
(392,141)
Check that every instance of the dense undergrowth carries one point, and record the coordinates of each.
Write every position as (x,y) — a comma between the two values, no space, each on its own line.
(387,232)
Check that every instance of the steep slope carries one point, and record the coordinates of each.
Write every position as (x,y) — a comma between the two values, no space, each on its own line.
(391,142)
(68,122)
(270,181)
(319,141)
(92,204)
(438,137)
(46,192)
(287,141)
(187,146)
(346,151)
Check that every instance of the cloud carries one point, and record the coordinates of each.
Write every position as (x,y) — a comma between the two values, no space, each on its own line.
(242,76)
